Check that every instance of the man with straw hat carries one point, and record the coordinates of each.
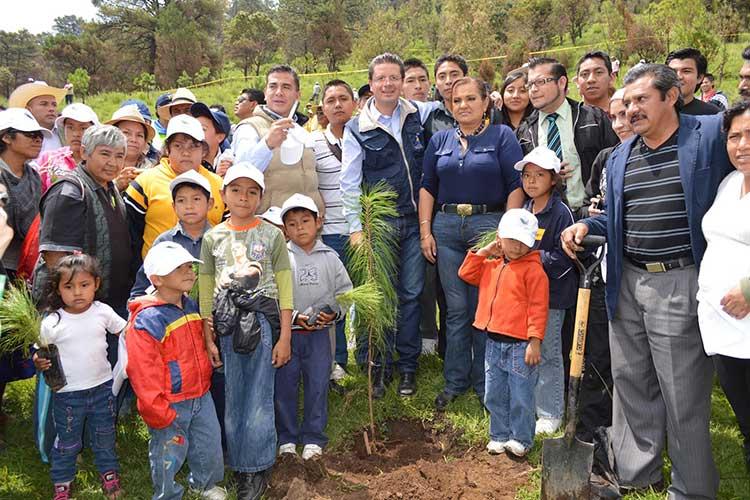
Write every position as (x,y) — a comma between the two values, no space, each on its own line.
(41,99)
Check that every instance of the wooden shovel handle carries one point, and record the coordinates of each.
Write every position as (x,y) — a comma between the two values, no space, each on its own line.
(579,332)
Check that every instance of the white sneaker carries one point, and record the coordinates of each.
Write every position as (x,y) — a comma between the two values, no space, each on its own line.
(310,451)
(547,425)
(337,373)
(215,493)
(496,447)
(290,448)
(429,346)
(515,448)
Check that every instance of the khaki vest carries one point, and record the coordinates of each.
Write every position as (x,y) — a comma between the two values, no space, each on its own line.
(282,181)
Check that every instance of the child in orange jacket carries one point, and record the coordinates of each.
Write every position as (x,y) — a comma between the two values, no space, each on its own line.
(512,309)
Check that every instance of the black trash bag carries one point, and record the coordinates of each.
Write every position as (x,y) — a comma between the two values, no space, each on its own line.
(55,375)
(225,313)
(604,481)
(247,332)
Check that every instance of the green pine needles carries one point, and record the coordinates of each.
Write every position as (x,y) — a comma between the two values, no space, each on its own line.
(20,322)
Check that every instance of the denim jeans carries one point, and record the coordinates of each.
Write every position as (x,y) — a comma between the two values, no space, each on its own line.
(339,242)
(249,420)
(509,392)
(95,406)
(550,390)
(409,282)
(194,436)
(464,352)
(311,359)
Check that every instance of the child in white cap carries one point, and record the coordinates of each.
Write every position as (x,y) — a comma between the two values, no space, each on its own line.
(512,309)
(170,372)
(540,175)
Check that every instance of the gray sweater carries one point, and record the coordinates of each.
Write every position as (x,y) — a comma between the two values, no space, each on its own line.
(318,277)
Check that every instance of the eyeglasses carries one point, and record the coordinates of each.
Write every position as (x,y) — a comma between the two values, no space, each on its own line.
(539,82)
(388,78)
(240,100)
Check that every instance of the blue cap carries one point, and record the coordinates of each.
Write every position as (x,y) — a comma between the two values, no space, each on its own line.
(142,107)
(219,118)
(163,100)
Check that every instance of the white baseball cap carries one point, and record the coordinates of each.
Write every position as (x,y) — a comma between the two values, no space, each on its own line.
(243,169)
(185,124)
(519,224)
(21,119)
(190,177)
(78,112)
(165,257)
(298,200)
(272,215)
(542,157)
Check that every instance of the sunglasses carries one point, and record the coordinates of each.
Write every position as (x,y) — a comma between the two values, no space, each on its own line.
(36,134)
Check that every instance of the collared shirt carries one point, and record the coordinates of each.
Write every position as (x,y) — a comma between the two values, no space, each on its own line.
(352,156)
(328,168)
(574,189)
(248,146)
(178,235)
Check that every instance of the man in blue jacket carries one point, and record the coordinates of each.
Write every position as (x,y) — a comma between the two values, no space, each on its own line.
(660,183)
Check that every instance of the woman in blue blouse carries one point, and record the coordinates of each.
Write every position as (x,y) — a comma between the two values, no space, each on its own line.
(469,181)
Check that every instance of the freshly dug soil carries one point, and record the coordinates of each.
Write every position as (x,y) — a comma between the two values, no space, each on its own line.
(412,461)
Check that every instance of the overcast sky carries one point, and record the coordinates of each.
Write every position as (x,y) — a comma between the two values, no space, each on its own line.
(39,15)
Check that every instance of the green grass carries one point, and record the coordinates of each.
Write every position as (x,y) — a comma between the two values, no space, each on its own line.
(23,476)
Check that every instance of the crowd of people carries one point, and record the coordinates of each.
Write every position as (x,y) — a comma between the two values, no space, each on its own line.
(194,265)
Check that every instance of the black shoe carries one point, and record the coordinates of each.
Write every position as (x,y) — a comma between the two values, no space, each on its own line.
(443,400)
(251,485)
(408,384)
(379,382)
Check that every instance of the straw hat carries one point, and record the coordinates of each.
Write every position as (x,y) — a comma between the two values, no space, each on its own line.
(130,113)
(26,92)
(180,96)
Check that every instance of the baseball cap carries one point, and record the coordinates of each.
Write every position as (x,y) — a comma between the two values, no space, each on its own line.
(364,89)
(190,177)
(22,94)
(142,107)
(78,112)
(246,170)
(165,257)
(519,224)
(131,113)
(298,200)
(219,118)
(541,157)
(273,215)
(185,124)
(21,119)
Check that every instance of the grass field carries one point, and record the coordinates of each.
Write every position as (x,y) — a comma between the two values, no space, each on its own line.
(23,476)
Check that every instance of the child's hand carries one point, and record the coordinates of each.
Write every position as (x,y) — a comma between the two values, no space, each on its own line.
(302,321)
(533,352)
(41,364)
(494,249)
(325,319)
(213,353)
(282,352)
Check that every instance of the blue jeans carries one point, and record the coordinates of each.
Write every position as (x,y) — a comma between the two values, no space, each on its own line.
(249,421)
(70,411)
(311,358)
(509,392)
(194,436)
(464,352)
(339,243)
(409,282)
(550,390)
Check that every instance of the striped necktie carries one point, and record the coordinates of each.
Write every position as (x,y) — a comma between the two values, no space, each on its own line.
(553,135)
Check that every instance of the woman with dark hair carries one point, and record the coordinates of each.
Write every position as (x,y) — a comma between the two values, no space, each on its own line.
(469,181)
(516,103)
(723,301)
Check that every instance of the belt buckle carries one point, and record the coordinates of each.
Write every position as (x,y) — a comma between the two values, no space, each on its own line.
(464,209)
(656,267)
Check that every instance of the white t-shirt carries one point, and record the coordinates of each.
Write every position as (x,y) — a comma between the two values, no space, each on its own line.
(82,342)
(727,231)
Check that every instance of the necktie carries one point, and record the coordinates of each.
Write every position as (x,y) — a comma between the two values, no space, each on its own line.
(553,135)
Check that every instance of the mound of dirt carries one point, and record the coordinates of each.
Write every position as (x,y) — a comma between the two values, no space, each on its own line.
(412,461)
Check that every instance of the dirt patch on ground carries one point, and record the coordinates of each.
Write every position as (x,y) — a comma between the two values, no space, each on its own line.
(413,461)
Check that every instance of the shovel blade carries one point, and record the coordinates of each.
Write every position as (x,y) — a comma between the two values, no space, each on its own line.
(566,469)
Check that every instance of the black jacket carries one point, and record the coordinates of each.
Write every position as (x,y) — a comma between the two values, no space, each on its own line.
(592,132)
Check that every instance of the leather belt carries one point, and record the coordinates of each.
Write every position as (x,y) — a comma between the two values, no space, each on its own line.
(466,209)
(664,266)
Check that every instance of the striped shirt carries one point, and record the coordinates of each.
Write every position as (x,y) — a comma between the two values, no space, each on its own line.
(328,168)
(656,223)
